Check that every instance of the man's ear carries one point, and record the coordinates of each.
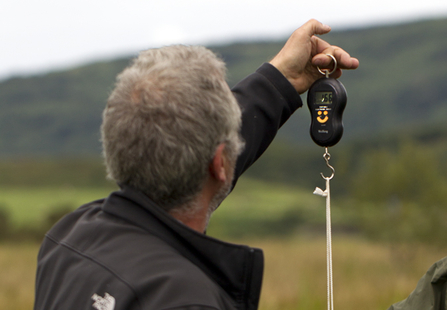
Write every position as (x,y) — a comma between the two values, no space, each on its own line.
(219,164)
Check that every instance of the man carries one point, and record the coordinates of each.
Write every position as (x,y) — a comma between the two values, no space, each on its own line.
(176,139)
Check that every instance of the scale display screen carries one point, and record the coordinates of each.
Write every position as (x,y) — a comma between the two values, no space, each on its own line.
(323,97)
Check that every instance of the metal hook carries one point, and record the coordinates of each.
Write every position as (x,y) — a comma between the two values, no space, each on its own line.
(326,157)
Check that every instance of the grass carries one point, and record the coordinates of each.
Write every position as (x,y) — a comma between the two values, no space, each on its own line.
(29,205)
(254,198)
(367,275)
(17,273)
(251,199)
(257,207)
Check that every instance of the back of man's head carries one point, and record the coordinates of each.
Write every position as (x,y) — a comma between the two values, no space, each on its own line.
(164,120)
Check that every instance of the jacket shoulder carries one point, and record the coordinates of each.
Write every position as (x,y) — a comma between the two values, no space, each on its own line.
(91,254)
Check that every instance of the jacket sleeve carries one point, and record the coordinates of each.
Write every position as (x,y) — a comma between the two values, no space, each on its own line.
(267,100)
(430,292)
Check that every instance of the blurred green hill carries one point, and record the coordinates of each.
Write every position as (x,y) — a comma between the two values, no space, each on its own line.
(398,90)
(396,96)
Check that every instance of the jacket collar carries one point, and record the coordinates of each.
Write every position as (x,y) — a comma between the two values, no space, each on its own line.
(236,268)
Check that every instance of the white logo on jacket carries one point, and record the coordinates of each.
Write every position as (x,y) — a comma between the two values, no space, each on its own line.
(103,303)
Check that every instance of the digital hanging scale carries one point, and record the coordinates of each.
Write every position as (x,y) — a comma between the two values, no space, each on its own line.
(326,99)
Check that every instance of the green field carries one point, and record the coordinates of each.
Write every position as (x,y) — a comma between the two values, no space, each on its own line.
(287,222)
(30,205)
(252,200)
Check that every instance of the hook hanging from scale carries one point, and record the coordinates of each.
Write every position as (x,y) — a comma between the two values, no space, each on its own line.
(326,157)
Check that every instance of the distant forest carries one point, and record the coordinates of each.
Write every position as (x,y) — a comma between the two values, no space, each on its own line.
(398,90)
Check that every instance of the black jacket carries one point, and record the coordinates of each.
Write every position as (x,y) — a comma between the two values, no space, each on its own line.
(124,252)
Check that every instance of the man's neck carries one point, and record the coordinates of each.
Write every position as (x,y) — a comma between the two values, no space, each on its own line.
(195,216)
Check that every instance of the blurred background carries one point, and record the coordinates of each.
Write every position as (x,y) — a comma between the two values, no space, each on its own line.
(59,62)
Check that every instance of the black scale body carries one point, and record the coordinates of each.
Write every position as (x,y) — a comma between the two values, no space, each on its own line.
(326,100)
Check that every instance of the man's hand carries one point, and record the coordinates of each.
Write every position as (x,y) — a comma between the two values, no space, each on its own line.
(303,52)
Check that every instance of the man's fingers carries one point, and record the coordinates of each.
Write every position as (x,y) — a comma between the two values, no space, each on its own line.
(304,51)
(344,60)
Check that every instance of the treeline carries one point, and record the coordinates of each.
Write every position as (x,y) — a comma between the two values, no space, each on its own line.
(53,171)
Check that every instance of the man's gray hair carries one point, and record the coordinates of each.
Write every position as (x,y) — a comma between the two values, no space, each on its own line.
(169,111)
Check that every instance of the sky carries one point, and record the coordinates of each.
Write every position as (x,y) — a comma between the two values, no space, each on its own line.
(37,36)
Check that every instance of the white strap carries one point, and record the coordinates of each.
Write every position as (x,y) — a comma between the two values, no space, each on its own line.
(330,286)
